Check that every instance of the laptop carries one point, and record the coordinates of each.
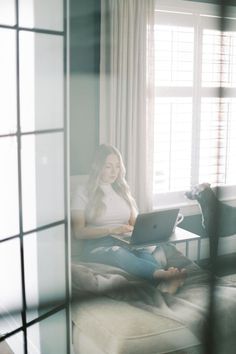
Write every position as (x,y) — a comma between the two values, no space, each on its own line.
(151,228)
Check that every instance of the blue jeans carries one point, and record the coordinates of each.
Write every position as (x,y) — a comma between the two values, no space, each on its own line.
(113,252)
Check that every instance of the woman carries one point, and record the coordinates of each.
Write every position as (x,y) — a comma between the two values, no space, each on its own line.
(104,207)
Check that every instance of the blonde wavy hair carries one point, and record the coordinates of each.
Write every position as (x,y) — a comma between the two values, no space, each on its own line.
(96,206)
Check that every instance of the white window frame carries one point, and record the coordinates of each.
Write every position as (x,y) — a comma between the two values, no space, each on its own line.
(169,11)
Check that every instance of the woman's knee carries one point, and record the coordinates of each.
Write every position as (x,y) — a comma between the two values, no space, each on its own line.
(118,255)
(112,255)
(120,251)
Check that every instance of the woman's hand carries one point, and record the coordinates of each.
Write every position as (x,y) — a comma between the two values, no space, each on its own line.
(121,229)
(82,231)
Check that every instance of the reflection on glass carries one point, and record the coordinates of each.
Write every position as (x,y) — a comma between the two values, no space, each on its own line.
(16,343)
(41,14)
(7,12)
(7,81)
(44,270)
(9,208)
(41,72)
(49,335)
(42,179)
(10,280)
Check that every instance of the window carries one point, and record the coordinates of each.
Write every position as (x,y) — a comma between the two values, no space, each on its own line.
(33,226)
(195,82)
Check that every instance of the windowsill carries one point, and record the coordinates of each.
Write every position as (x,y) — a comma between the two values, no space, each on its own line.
(177,199)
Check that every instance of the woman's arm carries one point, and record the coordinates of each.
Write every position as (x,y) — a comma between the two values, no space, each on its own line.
(81,231)
(132,218)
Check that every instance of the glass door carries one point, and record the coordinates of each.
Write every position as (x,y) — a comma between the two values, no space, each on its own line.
(34,277)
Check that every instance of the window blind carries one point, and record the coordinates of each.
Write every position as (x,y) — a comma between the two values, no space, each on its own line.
(194,130)
(172,143)
(218,59)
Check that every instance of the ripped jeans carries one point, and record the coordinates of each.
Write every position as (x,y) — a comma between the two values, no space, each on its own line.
(108,250)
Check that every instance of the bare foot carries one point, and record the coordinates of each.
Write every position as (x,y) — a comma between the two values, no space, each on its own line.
(170,286)
(170,273)
(172,279)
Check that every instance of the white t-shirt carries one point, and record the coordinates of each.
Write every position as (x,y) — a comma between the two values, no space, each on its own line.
(117,210)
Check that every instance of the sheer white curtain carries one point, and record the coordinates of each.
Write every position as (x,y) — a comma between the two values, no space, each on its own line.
(126,91)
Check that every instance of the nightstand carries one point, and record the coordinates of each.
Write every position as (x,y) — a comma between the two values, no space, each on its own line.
(181,235)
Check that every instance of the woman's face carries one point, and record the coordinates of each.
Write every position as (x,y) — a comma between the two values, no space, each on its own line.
(111,169)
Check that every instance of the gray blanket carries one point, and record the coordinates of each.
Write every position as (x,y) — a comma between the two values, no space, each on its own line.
(190,305)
